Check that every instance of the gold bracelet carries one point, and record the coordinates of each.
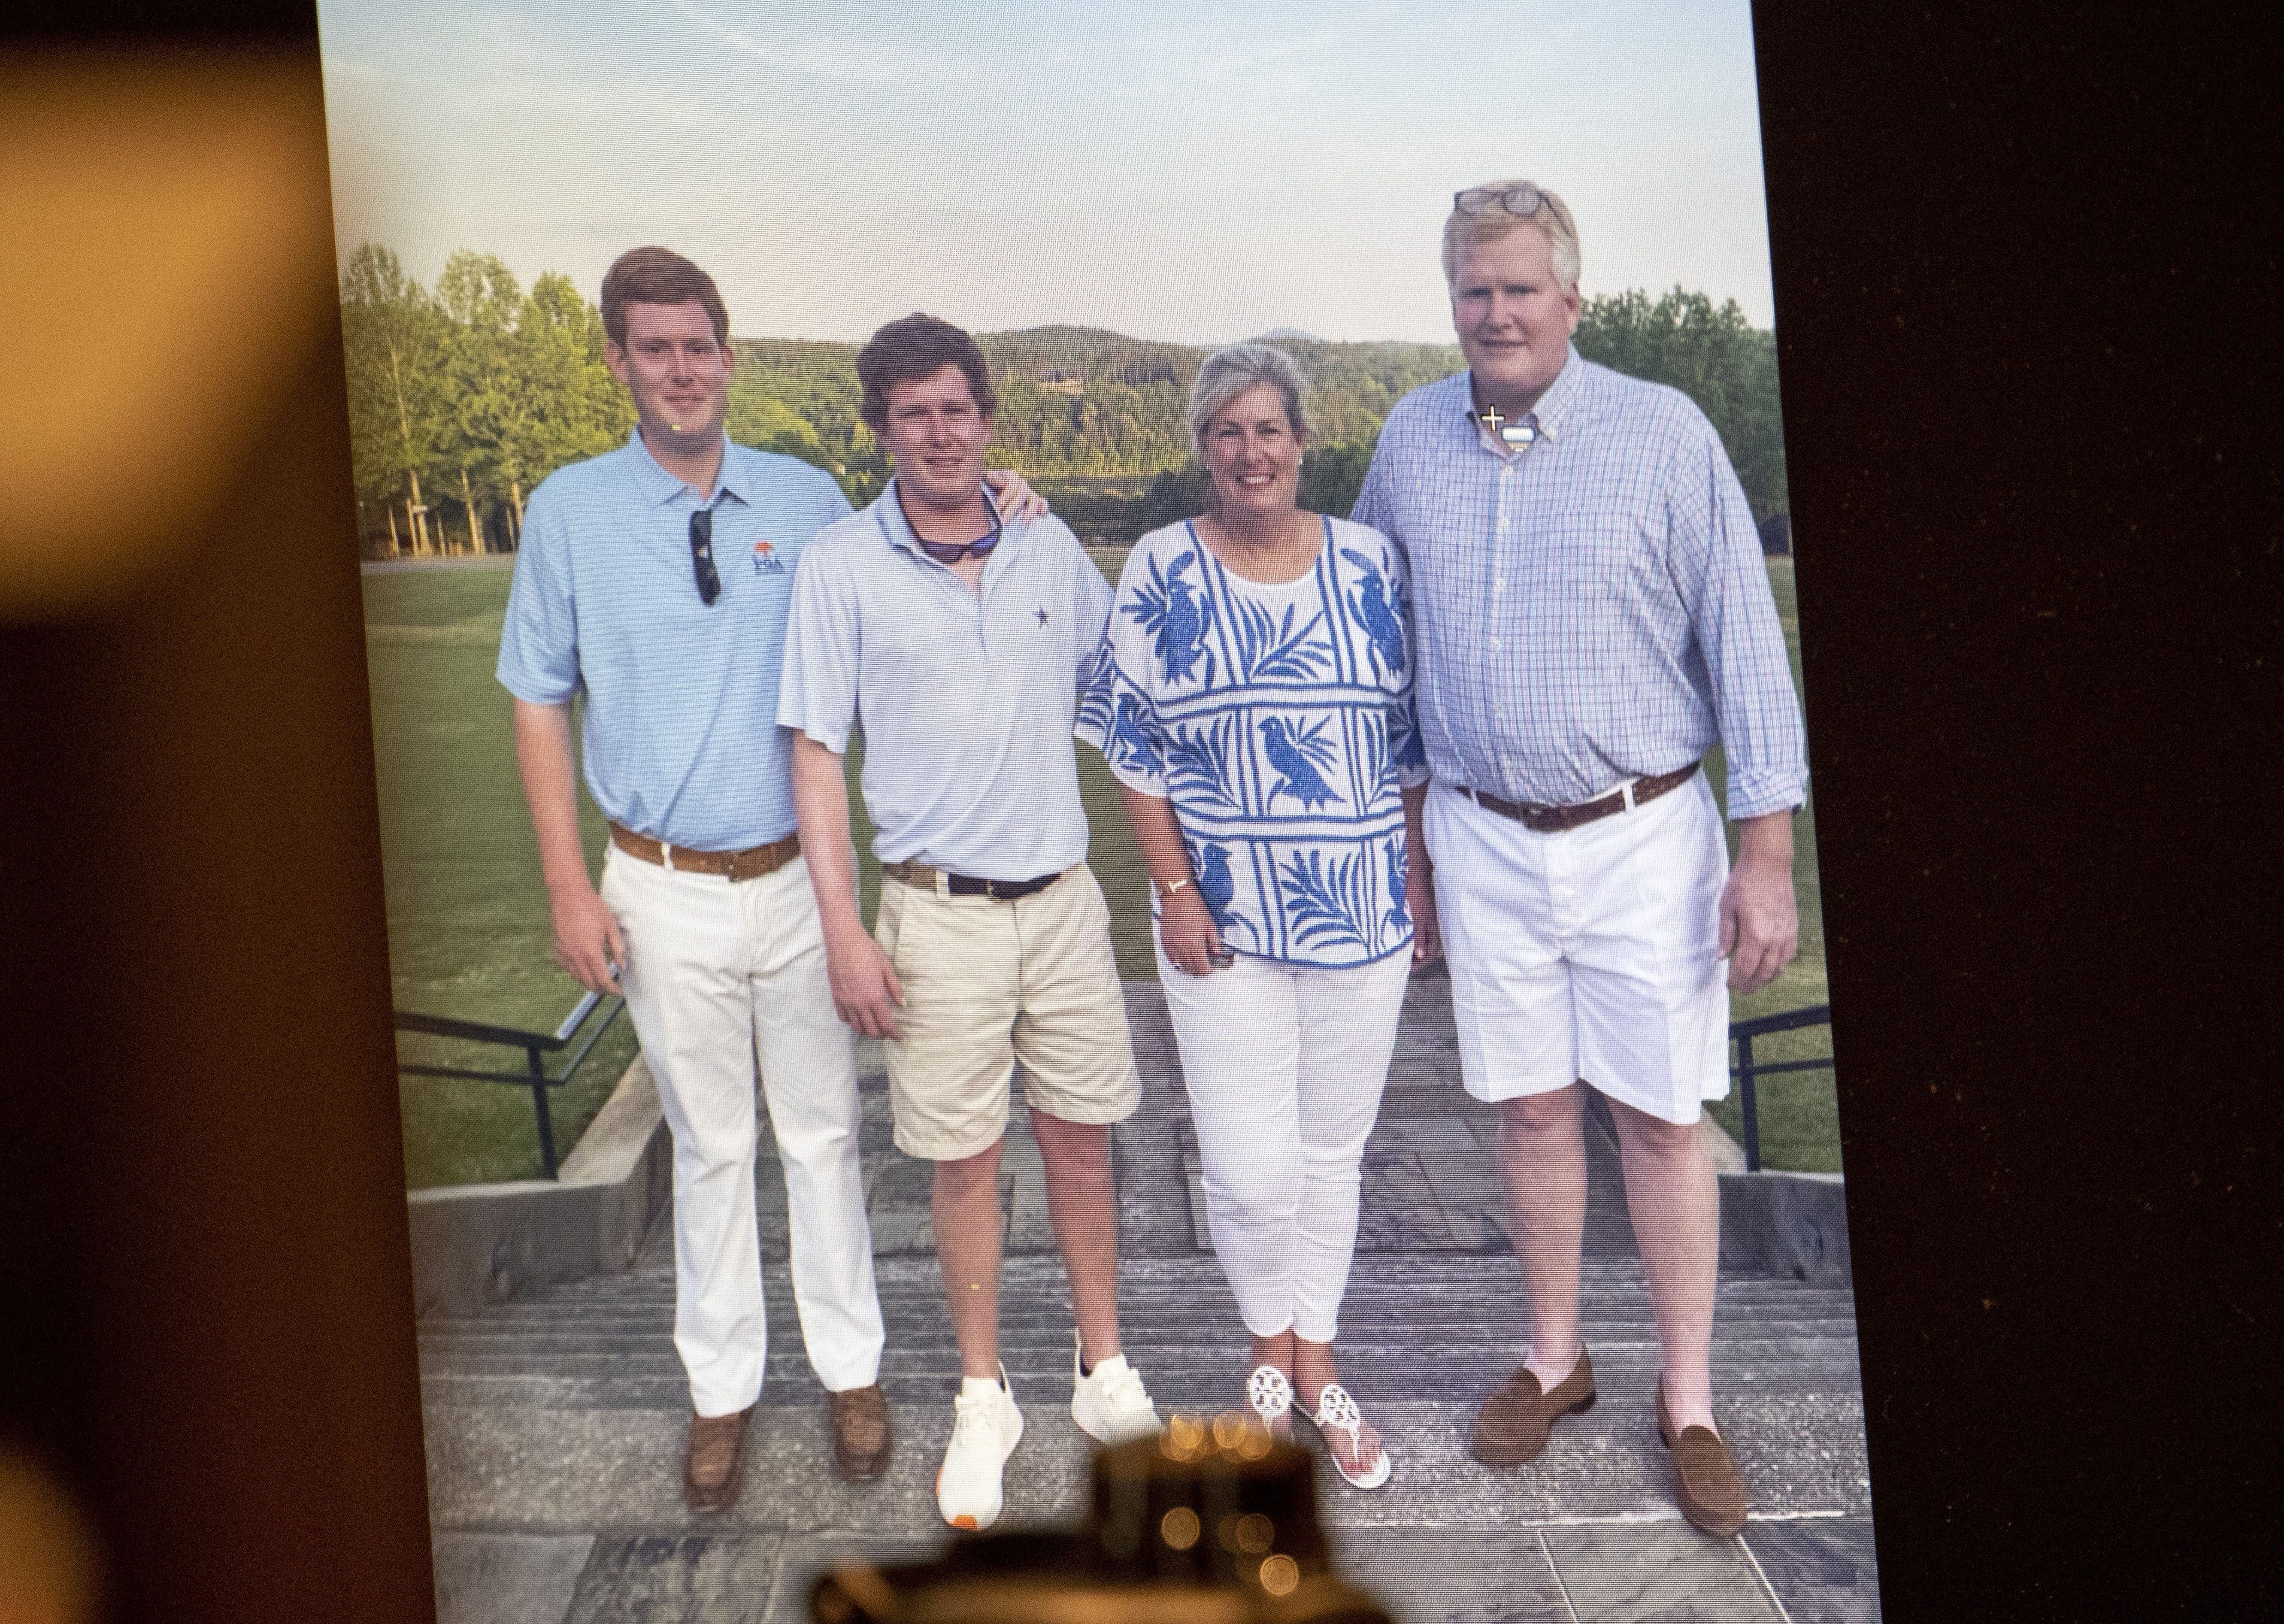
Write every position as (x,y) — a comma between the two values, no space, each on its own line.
(1166,890)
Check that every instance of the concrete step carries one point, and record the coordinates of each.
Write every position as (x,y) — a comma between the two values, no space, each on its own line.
(1458,1269)
(1443,1332)
(1802,1369)
(555,1423)
(539,1470)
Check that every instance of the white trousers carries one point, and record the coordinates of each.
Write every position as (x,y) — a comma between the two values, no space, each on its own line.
(717,975)
(1589,953)
(1285,1065)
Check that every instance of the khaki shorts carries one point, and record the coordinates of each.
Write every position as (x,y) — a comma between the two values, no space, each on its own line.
(990,983)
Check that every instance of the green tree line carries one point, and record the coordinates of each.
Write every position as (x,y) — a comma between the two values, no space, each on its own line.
(463,397)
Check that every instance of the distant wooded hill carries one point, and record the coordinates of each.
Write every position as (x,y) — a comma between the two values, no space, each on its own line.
(462,399)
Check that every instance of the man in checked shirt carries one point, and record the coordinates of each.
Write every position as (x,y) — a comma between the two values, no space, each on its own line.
(1592,612)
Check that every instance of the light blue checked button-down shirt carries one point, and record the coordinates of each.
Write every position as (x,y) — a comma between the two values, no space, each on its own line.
(1592,609)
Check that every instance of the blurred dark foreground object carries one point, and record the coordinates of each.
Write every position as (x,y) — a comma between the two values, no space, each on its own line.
(1209,1524)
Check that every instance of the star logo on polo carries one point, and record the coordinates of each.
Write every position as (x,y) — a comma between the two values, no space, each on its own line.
(1042,615)
(766,560)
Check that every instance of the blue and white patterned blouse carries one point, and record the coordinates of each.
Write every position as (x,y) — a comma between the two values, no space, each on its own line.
(1278,718)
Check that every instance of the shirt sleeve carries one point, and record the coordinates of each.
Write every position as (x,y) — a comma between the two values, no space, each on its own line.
(1091,599)
(817,689)
(832,505)
(1118,712)
(539,640)
(1713,551)
(1373,507)
(1405,747)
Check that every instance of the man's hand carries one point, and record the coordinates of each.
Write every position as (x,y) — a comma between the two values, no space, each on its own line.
(1420,895)
(1012,495)
(587,938)
(1185,929)
(866,990)
(1760,920)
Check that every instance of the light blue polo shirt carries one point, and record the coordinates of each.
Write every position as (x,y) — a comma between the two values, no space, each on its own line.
(967,700)
(681,738)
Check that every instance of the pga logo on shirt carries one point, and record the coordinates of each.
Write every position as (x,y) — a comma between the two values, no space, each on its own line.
(766,561)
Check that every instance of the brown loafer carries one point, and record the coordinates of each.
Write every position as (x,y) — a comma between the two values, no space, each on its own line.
(1515,1420)
(710,1469)
(1706,1485)
(860,1433)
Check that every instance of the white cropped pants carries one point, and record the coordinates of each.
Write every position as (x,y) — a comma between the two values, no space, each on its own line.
(1285,1065)
(717,975)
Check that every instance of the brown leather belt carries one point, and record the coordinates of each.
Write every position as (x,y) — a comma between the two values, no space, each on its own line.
(1553,820)
(751,864)
(967,885)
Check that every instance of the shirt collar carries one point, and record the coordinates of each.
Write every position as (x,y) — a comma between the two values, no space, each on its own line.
(659,487)
(898,529)
(1557,406)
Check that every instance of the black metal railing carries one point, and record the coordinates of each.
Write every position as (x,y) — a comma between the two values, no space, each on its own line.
(1742,1032)
(536,1046)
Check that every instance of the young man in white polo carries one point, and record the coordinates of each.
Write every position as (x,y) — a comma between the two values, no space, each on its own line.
(959,643)
(655,580)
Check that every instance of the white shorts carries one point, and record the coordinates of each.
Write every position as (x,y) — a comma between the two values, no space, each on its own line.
(1587,954)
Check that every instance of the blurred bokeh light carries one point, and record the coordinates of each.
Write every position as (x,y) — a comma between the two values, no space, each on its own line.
(168,246)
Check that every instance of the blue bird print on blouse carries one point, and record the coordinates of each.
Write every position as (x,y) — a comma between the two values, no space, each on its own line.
(1298,754)
(1377,612)
(1398,915)
(1128,730)
(1216,884)
(1180,618)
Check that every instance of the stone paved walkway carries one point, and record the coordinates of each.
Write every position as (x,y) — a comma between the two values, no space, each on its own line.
(555,1423)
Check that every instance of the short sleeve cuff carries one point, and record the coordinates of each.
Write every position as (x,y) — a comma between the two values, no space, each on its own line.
(1412,778)
(1142,783)
(535,690)
(835,740)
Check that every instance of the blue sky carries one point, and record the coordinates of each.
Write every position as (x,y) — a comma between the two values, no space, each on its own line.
(1192,172)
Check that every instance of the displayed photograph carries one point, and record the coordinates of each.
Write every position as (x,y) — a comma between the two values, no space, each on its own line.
(1100,857)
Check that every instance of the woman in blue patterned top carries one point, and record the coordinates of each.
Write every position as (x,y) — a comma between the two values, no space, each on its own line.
(1253,694)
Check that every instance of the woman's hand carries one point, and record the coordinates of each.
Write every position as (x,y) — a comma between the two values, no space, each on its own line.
(1420,895)
(1013,495)
(1185,931)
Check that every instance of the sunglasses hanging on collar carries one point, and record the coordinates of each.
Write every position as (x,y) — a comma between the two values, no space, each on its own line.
(701,554)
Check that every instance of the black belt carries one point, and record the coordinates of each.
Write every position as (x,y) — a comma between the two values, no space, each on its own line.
(967,885)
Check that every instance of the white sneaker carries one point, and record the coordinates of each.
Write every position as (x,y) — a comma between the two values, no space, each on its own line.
(986,1426)
(1110,1405)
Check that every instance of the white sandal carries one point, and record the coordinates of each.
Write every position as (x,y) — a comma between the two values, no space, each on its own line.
(1335,1408)
(1270,1392)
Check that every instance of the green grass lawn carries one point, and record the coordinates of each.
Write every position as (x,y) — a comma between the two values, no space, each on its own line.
(468,931)
(467,915)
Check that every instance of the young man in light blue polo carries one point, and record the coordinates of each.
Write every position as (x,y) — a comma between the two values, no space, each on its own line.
(655,580)
(959,643)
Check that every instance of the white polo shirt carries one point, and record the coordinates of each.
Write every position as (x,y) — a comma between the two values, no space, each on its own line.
(967,700)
